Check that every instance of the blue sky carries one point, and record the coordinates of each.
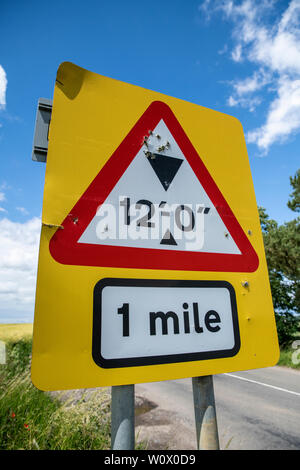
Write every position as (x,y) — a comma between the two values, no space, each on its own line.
(238,57)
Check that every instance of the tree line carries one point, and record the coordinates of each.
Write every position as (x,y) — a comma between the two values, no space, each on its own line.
(283,258)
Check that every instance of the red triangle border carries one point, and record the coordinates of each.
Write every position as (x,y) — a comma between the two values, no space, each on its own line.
(63,244)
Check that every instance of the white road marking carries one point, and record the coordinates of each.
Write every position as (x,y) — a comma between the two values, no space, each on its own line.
(265,385)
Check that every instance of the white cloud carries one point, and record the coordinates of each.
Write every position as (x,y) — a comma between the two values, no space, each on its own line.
(223,50)
(278,47)
(283,117)
(3,86)
(251,84)
(243,90)
(237,53)
(273,46)
(232,101)
(248,103)
(22,210)
(2,199)
(19,244)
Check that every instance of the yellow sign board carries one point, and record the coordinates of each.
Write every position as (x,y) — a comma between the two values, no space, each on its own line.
(151,263)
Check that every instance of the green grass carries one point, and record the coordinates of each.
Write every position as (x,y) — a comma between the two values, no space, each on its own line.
(290,354)
(290,357)
(31,419)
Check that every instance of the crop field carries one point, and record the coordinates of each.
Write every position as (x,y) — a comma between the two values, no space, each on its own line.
(15,332)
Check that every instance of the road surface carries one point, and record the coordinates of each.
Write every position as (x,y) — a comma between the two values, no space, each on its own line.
(257,409)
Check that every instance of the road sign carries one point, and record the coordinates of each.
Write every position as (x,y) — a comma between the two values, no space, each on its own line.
(199,321)
(154,194)
(151,263)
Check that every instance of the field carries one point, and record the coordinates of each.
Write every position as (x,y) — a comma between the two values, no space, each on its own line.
(15,332)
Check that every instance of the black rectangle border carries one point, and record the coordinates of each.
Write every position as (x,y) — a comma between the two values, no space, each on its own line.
(165,359)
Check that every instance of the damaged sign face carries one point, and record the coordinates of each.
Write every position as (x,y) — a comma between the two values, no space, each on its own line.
(151,263)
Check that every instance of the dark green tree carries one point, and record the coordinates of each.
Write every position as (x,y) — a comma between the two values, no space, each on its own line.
(282,247)
(294,202)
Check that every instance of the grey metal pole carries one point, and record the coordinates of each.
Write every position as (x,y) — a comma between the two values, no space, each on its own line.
(205,413)
(122,417)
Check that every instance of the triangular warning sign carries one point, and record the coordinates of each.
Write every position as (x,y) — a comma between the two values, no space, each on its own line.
(154,205)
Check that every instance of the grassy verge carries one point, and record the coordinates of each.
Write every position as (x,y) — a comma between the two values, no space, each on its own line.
(290,357)
(31,419)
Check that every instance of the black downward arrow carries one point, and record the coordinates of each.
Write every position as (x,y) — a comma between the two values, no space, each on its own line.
(165,168)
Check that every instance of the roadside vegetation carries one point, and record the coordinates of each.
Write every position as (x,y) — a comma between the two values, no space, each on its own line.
(31,419)
(282,247)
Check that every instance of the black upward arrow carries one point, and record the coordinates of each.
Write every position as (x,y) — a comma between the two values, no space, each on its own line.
(168,239)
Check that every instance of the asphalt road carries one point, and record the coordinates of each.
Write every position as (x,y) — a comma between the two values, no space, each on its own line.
(256,410)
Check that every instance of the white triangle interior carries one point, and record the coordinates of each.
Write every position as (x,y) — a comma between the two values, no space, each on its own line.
(140,182)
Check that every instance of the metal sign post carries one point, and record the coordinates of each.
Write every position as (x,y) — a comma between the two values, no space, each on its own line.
(205,413)
(122,417)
